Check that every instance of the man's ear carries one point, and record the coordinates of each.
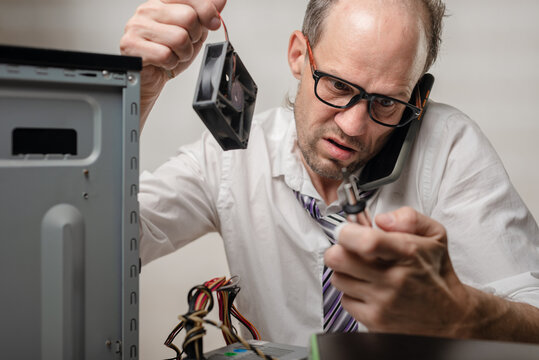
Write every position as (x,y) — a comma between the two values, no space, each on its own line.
(297,48)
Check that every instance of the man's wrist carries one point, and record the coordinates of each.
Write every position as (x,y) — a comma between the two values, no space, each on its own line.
(482,311)
(494,318)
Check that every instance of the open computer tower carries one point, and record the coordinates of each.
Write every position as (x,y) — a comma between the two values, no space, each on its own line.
(69,263)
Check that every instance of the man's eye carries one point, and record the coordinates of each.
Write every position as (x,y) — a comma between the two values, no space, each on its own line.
(385,102)
(340,86)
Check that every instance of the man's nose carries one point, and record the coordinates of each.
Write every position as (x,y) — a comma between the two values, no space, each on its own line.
(354,120)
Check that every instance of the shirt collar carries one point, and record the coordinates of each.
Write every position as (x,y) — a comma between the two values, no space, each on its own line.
(288,163)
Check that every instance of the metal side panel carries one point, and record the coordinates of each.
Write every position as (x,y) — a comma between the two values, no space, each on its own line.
(130,230)
(69,216)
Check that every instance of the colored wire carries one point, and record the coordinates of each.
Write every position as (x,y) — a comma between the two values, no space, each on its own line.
(224,27)
(200,300)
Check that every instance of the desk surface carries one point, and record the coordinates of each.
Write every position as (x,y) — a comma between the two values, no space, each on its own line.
(368,346)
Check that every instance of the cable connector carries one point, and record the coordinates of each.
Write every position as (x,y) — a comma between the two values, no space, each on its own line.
(354,204)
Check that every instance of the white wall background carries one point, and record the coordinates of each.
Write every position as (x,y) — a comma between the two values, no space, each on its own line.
(488,67)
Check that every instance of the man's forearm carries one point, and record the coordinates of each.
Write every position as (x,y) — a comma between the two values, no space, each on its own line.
(152,82)
(146,106)
(494,318)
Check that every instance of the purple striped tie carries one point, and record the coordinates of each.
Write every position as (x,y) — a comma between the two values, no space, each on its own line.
(336,319)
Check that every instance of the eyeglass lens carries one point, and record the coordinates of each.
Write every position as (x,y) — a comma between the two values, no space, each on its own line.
(383,109)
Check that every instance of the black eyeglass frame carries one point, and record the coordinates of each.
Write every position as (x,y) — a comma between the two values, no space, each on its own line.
(363,95)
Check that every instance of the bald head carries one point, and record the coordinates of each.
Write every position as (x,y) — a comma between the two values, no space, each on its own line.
(378,36)
(430,12)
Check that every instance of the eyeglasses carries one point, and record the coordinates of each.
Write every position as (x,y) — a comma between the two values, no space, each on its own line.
(342,94)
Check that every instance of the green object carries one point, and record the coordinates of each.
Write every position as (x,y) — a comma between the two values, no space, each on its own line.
(314,354)
(230,354)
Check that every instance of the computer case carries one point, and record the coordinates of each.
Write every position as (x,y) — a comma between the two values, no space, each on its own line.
(69,232)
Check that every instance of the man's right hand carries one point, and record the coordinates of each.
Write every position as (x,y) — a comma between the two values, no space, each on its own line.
(167,34)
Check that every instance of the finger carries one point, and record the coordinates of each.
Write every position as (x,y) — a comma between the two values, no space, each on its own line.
(183,16)
(345,262)
(409,221)
(196,49)
(198,45)
(362,219)
(173,25)
(154,54)
(367,215)
(207,11)
(174,37)
(363,312)
(373,244)
(219,4)
(358,290)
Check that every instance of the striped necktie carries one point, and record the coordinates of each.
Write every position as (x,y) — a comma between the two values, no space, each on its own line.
(336,319)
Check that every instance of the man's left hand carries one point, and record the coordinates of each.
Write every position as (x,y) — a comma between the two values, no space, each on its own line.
(399,278)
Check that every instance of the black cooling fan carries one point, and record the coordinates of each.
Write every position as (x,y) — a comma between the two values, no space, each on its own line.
(225,96)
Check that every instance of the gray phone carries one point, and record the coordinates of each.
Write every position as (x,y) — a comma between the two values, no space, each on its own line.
(387,165)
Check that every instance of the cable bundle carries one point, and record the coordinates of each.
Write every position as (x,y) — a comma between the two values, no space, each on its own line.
(226,293)
(200,300)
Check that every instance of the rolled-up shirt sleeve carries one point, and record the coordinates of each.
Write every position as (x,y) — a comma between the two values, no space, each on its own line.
(492,237)
(522,288)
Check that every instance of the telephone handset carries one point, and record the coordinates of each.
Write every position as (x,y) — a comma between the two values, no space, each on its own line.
(386,166)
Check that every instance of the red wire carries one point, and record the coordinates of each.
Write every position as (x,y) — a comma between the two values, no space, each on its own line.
(224,27)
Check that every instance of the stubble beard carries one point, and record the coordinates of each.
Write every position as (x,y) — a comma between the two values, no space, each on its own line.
(326,168)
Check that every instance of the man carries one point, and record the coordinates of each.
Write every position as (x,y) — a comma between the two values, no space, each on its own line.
(397,275)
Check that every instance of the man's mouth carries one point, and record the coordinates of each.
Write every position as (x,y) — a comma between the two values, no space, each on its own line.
(340,146)
(337,150)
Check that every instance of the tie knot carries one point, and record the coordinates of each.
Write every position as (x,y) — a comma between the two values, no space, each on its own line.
(328,222)
(309,204)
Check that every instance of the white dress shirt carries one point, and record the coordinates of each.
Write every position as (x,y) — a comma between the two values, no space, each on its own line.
(453,175)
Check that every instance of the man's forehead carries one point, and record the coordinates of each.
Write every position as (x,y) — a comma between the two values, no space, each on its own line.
(387,42)
(404,5)
(362,15)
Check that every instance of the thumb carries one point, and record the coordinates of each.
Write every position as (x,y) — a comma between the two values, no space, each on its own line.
(219,4)
(408,220)
(196,49)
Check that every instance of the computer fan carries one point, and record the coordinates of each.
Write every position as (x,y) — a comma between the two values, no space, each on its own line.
(225,96)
